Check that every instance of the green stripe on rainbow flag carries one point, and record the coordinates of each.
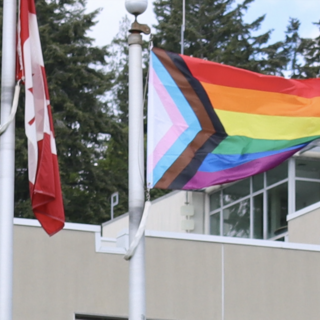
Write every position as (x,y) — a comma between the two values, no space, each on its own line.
(245,145)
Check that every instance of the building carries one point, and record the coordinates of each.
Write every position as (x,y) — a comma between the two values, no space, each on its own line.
(247,250)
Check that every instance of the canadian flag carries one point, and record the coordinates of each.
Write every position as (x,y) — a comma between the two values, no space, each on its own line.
(43,171)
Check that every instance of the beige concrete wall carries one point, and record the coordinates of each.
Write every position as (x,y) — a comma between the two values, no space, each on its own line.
(186,279)
(197,280)
(111,229)
(269,283)
(165,212)
(198,201)
(164,215)
(305,228)
(58,276)
(183,280)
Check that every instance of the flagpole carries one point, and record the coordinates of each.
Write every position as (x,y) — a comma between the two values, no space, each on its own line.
(183,26)
(137,295)
(7,145)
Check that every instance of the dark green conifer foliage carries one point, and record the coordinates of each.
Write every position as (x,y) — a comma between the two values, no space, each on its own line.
(309,52)
(116,160)
(215,30)
(302,54)
(77,84)
(292,47)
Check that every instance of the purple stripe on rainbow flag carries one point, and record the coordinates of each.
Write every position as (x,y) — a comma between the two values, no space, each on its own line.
(205,179)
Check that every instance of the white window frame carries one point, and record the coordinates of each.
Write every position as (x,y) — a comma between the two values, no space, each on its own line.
(251,195)
(291,182)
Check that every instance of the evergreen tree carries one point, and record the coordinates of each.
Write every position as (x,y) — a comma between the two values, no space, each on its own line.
(302,54)
(83,123)
(292,47)
(309,51)
(215,30)
(116,160)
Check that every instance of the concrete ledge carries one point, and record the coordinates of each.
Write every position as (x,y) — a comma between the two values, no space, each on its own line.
(117,246)
(236,241)
(67,226)
(223,240)
(303,211)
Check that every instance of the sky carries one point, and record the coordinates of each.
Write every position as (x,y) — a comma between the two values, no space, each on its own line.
(277,13)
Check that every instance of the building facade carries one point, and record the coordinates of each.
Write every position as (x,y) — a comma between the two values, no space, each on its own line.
(247,250)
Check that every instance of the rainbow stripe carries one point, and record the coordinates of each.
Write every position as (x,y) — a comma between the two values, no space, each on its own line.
(210,123)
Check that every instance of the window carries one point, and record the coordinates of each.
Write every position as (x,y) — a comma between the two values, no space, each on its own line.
(277,204)
(307,182)
(257,207)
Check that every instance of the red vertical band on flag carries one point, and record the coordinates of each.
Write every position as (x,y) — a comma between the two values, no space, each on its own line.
(43,170)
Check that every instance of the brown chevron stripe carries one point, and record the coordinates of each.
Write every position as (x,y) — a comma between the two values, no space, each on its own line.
(197,106)
(183,161)
(187,90)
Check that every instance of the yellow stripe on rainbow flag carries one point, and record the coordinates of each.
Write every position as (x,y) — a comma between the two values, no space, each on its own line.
(268,127)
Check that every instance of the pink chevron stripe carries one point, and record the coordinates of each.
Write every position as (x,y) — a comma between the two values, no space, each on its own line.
(167,101)
(174,114)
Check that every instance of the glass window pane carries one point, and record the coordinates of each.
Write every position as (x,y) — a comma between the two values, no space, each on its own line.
(277,209)
(307,193)
(257,182)
(215,224)
(215,201)
(277,174)
(258,216)
(236,220)
(236,191)
(308,169)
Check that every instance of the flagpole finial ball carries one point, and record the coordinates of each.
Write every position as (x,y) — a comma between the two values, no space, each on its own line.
(136,7)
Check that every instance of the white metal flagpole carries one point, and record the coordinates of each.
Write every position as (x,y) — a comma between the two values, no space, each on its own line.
(183,26)
(136,179)
(137,296)
(7,145)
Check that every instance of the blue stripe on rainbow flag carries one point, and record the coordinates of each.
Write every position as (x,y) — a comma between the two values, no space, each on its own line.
(217,162)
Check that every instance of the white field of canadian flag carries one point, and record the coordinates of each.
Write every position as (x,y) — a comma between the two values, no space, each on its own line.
(44,178)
